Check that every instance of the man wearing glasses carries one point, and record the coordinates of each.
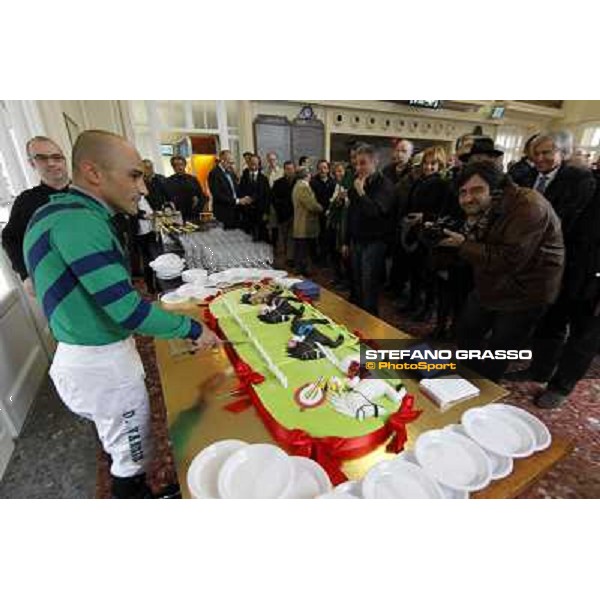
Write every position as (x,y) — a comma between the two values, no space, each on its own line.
(49,162)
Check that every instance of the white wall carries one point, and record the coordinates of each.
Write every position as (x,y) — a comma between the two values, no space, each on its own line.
(23,357)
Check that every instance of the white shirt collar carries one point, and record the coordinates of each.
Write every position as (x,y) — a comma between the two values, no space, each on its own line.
(548,176)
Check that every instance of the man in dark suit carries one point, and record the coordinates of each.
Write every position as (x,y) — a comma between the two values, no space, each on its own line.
(255,186)
(157,195)
(225,193)
(184,190)
(571,191)
(323,185)
(524,170)
(281,196)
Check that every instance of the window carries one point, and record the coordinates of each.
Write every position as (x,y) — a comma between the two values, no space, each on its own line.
(589,140)
(511,140)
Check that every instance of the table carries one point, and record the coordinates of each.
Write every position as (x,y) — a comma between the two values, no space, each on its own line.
(182,375)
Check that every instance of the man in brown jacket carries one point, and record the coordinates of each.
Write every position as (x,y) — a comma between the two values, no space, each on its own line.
(306,220)
(513,240)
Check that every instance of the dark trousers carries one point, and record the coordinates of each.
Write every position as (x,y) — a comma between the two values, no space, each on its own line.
(453,286)
(565,343)
(368,268)
(303,249)
(147,251)
(399,272)
(505,330)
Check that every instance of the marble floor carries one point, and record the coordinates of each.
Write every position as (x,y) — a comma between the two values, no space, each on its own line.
(55,456)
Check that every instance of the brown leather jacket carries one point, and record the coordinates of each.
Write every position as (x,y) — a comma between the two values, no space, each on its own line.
(518,263)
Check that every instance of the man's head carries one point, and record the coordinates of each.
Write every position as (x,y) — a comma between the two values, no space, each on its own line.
(272,160)
(247,156)
(549,150)
(527,151)
(110,168)
(339,170)
(323,168)
(254,163)
(48,160)
(478,184)
(289,169)
(305,161)
(179,164)
(148,168)
(225,159)
(483,150)
(581,158)
(352,157)
(303,173)
(366,160)
(433,161)
(403,150)
(464,144)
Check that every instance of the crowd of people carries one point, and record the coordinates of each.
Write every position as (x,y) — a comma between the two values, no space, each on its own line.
(504,259)
(501,258)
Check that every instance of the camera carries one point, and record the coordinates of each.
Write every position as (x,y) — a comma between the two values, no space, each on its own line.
(431,234)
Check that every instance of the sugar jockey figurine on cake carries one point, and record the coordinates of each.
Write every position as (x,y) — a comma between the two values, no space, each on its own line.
(280,310)
(303,344)
(261,294)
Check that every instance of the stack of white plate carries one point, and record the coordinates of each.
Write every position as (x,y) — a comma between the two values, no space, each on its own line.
(232,469)
(466,458)
(168,266)
(241,274)
(196,292)
(174,298)
(198,276)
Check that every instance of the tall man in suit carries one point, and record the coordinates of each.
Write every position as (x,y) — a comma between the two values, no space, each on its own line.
(564,330)
(255,186)
(284,208)
(225,193)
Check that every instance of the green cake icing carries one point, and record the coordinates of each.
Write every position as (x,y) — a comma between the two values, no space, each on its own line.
(320,421)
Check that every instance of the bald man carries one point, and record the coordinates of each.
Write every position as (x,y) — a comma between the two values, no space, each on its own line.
(77,265)
(48,161)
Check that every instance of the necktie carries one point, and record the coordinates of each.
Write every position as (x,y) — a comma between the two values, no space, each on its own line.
(541,184)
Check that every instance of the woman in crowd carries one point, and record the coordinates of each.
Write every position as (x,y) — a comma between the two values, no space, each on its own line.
(428,199)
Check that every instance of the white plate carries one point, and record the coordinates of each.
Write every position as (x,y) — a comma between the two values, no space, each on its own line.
(499,432)
(335,495)
(203,473)
(194,275)
(167,276)
(399,479)
(350,487)
(174,298)
(257,471)
(542,435)
(454,460)
(502,466)
(310,480)
(449,493)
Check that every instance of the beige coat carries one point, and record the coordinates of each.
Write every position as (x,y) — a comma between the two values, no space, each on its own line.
(306,211)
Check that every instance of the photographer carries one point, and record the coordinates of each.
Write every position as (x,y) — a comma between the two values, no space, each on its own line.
(512,239)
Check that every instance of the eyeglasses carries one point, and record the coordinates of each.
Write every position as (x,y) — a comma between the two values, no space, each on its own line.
(48,157)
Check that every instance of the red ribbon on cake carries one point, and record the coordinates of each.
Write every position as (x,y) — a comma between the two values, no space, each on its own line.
(398,421)
(329,451)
